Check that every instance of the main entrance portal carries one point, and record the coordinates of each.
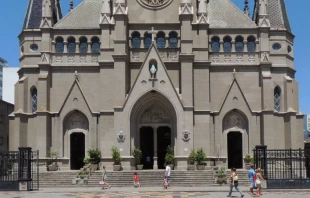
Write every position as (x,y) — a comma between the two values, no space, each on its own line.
(234,146)
(77,150)
(163,141)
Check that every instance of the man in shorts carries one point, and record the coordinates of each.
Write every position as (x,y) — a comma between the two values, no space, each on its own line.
(251,174)
(167,173)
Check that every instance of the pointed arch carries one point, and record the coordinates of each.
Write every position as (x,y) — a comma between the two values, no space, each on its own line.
(75,119)
(34,99)
(277,98)
(235,119)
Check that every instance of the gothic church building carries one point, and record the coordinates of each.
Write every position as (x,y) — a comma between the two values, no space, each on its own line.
(151,73)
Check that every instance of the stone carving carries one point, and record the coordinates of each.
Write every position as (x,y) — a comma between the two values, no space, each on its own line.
(239,58)
(45,58)
(265,59)
(251,58)
(135,56)
(234,120)
(82,59)
(227,58)
(162,55)
(77,121)
(155,115)
(121,136)
(173,55)
(94,59)
(70,59)
(154,3)
(215,58)
(186,135)
(58,59)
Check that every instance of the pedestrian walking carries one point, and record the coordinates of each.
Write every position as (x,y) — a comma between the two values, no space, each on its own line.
(167,174)
(252,177)
(136,182)
(259,179)
(234,183)
(104,177)
(165,183)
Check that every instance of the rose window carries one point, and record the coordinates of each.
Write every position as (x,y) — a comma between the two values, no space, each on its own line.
(154,4)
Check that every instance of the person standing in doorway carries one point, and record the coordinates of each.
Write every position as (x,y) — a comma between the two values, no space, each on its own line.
(167,173)
(251,174)
(234,183)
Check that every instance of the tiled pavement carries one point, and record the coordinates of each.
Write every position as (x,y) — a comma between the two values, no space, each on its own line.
(144,193)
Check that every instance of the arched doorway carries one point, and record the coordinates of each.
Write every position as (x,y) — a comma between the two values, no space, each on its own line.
(235,128)
(153,128)
(75,127)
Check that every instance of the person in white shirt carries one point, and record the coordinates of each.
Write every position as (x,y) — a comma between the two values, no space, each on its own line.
(167,174)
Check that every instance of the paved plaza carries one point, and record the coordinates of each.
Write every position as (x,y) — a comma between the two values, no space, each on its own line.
(177,192)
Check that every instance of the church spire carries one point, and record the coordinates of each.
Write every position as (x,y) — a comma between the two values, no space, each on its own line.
(71,5)
(246,7)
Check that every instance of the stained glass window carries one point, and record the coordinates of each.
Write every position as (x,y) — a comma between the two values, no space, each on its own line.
(83,45)
(277,99)
(161,41)
(71,45)
(173,40)
(147,40)
(227,44)
(215,44)
(34,99)
(239,44)
(95,45)
(135,42)
(251,44)
(59,45)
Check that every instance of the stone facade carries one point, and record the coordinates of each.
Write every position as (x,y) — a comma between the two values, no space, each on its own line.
(172,72)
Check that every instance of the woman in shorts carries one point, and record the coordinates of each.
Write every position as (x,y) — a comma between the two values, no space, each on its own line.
(259,179)
(104,177)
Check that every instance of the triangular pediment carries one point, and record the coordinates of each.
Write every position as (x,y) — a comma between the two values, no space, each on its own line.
(264,22)
(234,97)
(186,9)
(146,83)
(76,98)
(203,19)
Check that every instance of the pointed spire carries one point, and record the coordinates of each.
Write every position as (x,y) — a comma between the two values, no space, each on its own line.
(262,14)
(47,16)
(71,5)
(246,7)
(202,12)
(106,7)
(186,7)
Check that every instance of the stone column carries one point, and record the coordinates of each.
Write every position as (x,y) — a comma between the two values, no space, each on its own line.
(77,46)
(65,46)
(142,42)
(155,166)
(89,46)
(53,46)
(233,46)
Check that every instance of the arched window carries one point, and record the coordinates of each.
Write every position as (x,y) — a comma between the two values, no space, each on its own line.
(83,45)
(147,40)
(251,44)
(135,41)
(227,44)
(95,45)
(161,41)
(215,44)
(277,98)
(59,46)
(34,99)
(239,44)
(71,45)
(173,40)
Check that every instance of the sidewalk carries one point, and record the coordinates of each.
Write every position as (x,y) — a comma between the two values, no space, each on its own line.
(159,189)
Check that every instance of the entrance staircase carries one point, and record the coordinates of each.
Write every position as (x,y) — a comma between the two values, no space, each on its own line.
(62,179)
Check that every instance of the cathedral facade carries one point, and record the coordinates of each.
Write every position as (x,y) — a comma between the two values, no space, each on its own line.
(152,73)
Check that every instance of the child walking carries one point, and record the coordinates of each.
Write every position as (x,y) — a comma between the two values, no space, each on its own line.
(104,177)
(166,183)
(136,180)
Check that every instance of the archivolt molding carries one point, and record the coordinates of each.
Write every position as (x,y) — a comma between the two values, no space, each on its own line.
(76,120)
(235,119)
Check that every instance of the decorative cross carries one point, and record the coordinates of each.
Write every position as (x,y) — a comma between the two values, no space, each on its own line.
(76,74)
(153,32)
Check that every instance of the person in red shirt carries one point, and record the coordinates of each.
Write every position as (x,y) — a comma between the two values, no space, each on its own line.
(136,180)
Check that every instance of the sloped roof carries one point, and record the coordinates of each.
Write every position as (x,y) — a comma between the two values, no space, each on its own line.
(34,14)
(85,16)
(277,14)
(225,14)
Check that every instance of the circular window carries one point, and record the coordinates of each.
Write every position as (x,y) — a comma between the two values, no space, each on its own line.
(276,46)
(34,47)
(154,4)
(289,49)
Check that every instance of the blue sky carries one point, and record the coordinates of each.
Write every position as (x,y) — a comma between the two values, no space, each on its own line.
(12,15)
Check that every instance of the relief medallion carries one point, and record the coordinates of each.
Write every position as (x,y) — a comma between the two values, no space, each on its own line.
(154,4)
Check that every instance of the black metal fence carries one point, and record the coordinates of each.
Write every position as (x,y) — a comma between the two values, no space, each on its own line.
(19,170)
(282,169)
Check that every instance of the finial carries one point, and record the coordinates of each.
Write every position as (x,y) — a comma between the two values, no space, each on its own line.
(71,5)
(246,7)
